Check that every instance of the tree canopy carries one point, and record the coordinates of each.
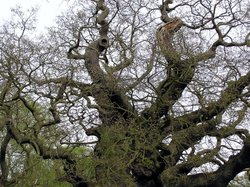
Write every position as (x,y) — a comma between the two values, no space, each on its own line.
(126,93)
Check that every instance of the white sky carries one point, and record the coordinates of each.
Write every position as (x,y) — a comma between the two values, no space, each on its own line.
(48,10)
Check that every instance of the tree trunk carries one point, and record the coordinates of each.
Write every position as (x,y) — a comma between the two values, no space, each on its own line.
(150,182)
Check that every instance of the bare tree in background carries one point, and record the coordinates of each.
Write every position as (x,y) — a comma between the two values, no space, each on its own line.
(128,93)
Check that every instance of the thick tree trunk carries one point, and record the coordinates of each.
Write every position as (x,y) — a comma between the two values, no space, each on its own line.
(150,182)
(81,184)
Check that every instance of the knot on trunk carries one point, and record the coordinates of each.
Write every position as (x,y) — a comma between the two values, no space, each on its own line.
(103,43)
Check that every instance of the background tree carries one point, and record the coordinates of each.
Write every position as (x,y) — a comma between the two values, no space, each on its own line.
(135,93)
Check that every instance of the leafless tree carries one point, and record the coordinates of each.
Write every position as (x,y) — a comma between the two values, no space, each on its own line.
(155,94)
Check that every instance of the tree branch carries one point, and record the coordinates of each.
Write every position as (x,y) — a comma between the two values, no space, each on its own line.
(228,96)
(225,173)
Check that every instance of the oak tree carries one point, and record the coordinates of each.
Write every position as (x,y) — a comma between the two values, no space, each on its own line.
(128,93)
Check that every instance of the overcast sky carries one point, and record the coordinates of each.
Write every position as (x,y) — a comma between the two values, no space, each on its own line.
(48,10)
